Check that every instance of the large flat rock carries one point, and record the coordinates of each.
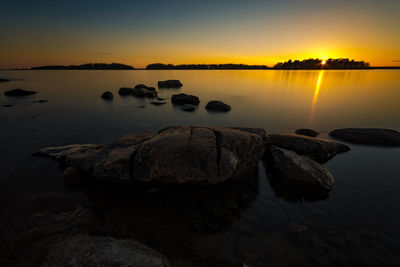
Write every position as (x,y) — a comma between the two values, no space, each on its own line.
(368,136)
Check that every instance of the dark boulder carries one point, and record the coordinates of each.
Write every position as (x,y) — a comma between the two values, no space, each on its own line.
(19,92)
(307,132)
(317,149)
(170,84)
(216,105)
(8,105)
(368,136)
(125,91)
(188,107)
(107,95)
(182,99)
(143,92)
(299,174)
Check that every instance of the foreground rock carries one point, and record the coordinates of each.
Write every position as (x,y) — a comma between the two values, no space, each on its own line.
(368,136)
(107,95)
(4,80)
(19,92)
(216,105)
(183,99)
(188,107)
(181,154)
(307,132)
(299,173)
(317,149)
(124,91)
(170,84)
(85,250)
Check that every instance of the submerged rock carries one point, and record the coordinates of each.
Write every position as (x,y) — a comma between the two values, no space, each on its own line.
(188,107)
(216,105)
(125,91)
(317,149)
(307,132)
(85,250)
(4,80)
(368,136)
(299,173)
(181,154)
(170,84)
(107,95)
(19,92)
(8,105)
(183,99)
(158,103)
(144,92)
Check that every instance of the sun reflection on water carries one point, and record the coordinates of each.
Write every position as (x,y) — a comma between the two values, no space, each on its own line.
(315,98)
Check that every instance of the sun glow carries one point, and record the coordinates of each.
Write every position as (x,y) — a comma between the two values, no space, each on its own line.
(323,62)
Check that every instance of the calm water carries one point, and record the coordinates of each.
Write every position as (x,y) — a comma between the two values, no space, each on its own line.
(358,223)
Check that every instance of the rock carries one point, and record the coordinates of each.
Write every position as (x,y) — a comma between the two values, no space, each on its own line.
(8,105)
(317,149)
(85,250)
(125,91)
(19,92)
(107,95)
(43,101)
(170,84)
(181,154)
(73,175)
(4,80)
(216,105)
(142,106)
(188,107)
(182,99)
(299,174)
(160,98)
(143,92)
(368,136)
(307,132)
(158,103)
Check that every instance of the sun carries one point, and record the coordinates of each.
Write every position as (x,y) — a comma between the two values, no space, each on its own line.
(323,62)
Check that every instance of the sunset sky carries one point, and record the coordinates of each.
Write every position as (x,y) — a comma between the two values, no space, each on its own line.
(48,32)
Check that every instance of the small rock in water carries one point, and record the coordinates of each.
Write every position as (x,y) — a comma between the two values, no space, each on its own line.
(170,84)
(8,105)
(182,99)
(107,95)
(142,106)
(4,80)
(307,132)
(125,91)
(160,98)
(368,136)
(188,107)
(19,92)
(158,103)
(144,92)
(216,105)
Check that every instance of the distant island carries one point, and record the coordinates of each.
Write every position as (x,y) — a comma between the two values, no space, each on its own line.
(88,66)
(316,64)
(161,66)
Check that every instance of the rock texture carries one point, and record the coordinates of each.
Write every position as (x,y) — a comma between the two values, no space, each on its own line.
(368,136)
(107,95)
(317,149)
(19,92)
(125,91)
(181,154)
(216,105)
(85,250)
(183,99)
(299,173)
(170,84)
(307,132)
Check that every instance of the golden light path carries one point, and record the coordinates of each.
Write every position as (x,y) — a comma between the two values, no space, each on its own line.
(315,98)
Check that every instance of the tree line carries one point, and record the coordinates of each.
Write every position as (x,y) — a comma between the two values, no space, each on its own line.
(311,64)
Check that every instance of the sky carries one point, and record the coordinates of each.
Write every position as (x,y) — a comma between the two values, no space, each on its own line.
(138,33)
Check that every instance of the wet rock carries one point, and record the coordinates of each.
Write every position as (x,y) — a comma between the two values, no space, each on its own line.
(125,91)
(188,107)
(317,149)
(85,250)
(8,105)
(299,173)
(19,92)
(368,136)
(158,103)
(170,84)
(183,99)
(307,132)
(144,92)
(107,95)
(181,154)
(4,80)
(216,105)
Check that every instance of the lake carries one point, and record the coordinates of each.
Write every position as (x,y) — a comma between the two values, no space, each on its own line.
(357,224)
